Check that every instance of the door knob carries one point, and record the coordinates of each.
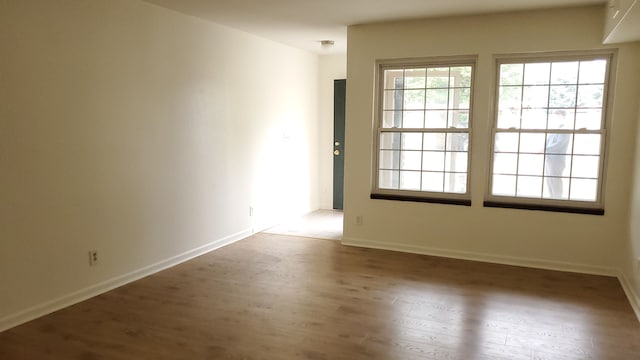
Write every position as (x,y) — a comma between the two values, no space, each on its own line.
(336,152)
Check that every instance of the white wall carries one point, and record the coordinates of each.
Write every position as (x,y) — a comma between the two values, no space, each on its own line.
(144,134)
(332,67)
(545,239)
(631,261)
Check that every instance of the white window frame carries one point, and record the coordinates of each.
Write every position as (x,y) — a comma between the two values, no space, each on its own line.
(553,204)
(420,195)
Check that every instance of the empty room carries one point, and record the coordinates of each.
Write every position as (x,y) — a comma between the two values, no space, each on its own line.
(486,181)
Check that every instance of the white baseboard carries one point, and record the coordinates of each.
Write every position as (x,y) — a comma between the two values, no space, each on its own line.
(102,287)
(484,257)
(633,297)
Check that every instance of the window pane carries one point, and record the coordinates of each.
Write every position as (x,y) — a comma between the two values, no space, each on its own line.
(532,143)
(409,180)
(433,160)
(509,118)
(534,119)
(506,142)
(590,95)
(433,141)
(529,186)
(410,160)
(586,144)
(564,72)
(414,99)
(590,119)
(459,119)
(413,119)
(455,183)
(437,98)
(459,98)
(393,79)
(389,159)
(388,179)
(392,119)
(504,185)
(412,141)
(432,181)
(435,119)
(511,74)
(510,97)
(562,96)
(438,77)
(535,96)
(557,165)
(561,119)
(392,100)
(558,143)
(414,78)
(592,72)
(583,189)
(390,141)
(585,166)
(505,163)
(457,141)
(460,76)
(530,164)
(536,73)
(555,188)
(456,162)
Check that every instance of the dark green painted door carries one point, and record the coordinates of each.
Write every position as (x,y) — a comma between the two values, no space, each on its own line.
(339,100)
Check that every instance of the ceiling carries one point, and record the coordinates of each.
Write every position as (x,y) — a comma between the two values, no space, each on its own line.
(304,23)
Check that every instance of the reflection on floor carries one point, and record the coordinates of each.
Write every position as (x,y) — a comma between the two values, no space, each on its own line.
(280,297)
(321,224)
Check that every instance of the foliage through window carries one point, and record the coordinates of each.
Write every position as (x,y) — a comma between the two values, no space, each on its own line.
(424,113)
(549,133)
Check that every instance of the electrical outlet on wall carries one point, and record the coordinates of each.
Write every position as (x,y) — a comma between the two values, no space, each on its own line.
(93,257)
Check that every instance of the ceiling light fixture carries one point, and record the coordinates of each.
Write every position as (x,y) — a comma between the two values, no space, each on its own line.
(327,44)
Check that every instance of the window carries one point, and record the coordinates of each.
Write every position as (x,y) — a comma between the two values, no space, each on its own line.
(549,132)
(423,118)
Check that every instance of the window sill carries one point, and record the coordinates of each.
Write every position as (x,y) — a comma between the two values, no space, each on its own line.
(433,200)
(553,208)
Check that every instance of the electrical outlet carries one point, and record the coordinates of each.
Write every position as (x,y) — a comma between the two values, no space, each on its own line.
(250,210)
(93,257)
(359,220)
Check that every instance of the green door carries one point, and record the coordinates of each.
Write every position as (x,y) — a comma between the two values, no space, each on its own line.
(339,100)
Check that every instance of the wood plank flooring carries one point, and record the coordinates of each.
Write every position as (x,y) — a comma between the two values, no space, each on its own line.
(282,297)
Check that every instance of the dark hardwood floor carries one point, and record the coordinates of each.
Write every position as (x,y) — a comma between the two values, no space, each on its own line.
(281,297)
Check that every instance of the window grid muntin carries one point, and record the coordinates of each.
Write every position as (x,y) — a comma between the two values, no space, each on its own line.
(580,113)
(571,154)
(434,119)
(549,84)
(447,150)
(386,107)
